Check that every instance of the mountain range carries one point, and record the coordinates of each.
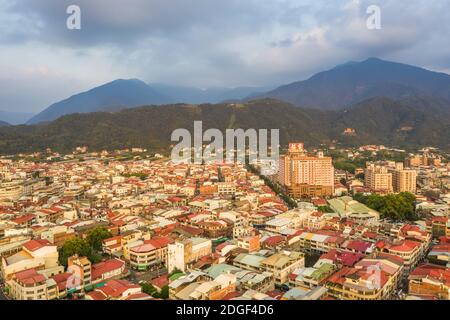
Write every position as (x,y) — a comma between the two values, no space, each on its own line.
(4,123)
(129,93)
(354,82)
(411,122)
(384,102)
(340,87)
(115,95)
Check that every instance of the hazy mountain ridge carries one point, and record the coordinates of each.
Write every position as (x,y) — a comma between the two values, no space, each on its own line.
(192,95)
(4,123)
(15,118)
(340,87)
(382,120)
(114,95)
(120,94)
(354,82)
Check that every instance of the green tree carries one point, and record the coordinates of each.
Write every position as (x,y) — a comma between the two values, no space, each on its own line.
(74,246)
(393,206)
(175,271)
(164,294)
(96,236)
(149,289)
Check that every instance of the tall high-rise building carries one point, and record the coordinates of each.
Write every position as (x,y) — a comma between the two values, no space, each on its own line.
(425,159)
(378,178)
(390,177)
(304,175)
(404,180)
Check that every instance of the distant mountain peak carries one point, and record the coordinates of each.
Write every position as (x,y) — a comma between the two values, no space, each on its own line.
(117,94)
(131,80)
(374,59)
(127,93)
(353,82)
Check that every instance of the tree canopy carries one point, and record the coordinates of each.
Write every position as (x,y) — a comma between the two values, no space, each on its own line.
(88,247)
(96,236)
(393,206)
(74,246)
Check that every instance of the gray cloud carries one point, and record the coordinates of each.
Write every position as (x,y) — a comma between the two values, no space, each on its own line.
(204,43)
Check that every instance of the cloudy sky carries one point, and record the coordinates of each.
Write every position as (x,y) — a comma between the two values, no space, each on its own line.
(204,43)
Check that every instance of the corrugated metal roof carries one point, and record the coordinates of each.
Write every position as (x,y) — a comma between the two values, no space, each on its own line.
(320,238)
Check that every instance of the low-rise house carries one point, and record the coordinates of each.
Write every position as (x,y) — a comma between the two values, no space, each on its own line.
(245,280)
(150,254)
(215,289)
(183,285)
(311,277)
(107,270)
(369,279)
(35,254)
(440,254)
(430,280)
(32,285)
(181,254)
(117,290)
(282,264)
(409,251)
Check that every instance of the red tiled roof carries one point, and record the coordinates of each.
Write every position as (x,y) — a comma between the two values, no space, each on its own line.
(440,273)
(439,219)
(61,280)
(24,218)
(116,238)
(441,247)
(192,230)
(319,202)
(370,235)
(360,246)
(146,247)
(380,244)
(106,266)
(97,295)
(275,294)
(348,259)
(406,246)
(443,240)
(274,240)
(339,276)
(232,295)
(34,245)
(391,257)
(115,288)
(30,277)
(139,296)
(175,199)
(160,281)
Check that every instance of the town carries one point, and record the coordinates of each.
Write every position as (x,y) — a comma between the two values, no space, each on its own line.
(335,223)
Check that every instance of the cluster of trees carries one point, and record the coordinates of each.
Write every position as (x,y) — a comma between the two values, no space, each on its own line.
(151,290)
(393,206)
(342,162)
(325,209)
(89,247)
(139,175)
